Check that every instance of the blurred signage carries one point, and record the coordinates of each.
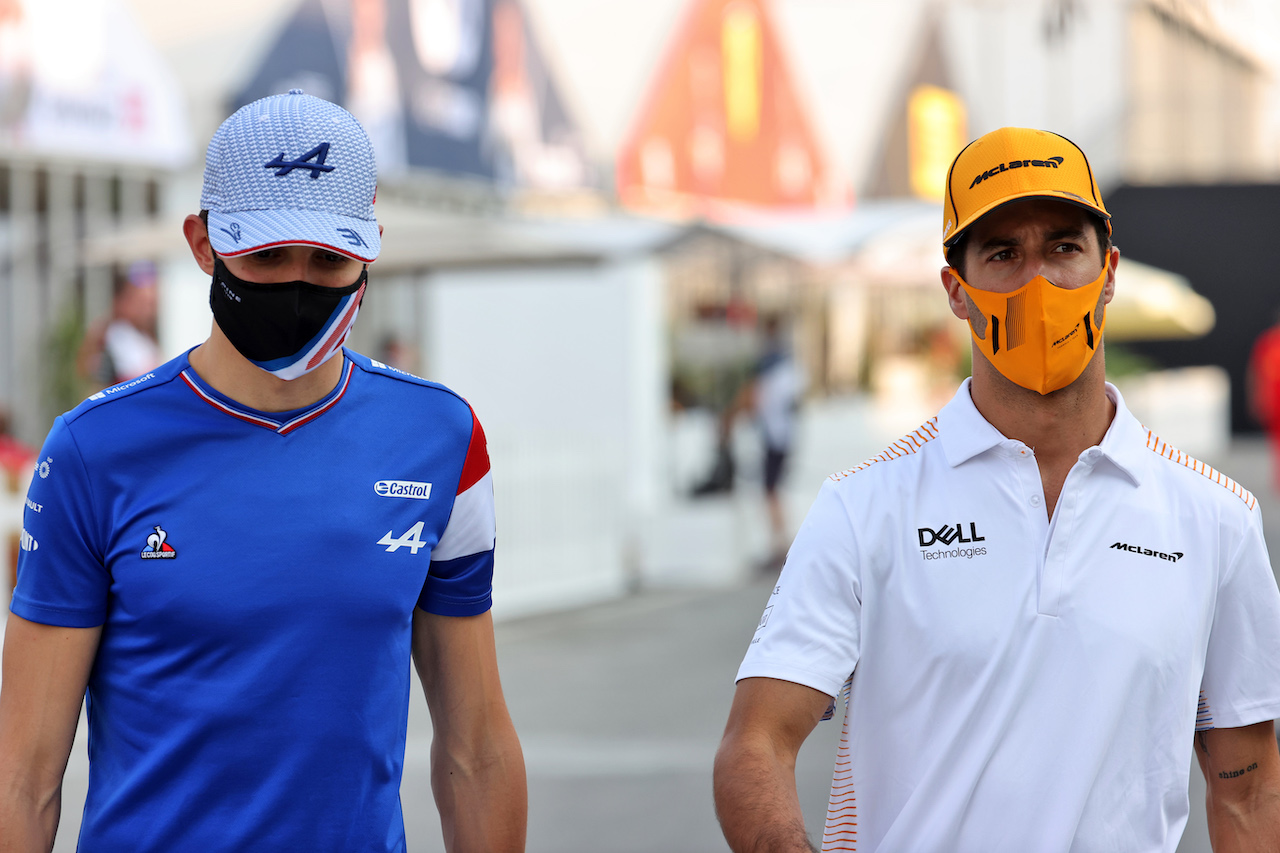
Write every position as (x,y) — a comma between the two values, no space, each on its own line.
(724,126)
(937,129)
(456,86)
(740,44)
(78,79)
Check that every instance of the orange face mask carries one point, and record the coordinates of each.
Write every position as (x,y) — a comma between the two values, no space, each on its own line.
(1040,336)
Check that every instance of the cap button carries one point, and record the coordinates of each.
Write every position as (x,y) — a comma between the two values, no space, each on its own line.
(296,92)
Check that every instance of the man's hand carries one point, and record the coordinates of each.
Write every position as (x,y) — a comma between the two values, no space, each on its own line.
(45,671)
(755,771)
(477,769)
(1242,769)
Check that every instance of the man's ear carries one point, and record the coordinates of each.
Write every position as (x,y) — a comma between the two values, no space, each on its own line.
(955,293)
(193,228)
(1113,259)
(375,260)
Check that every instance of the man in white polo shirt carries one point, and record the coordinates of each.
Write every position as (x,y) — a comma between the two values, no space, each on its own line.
(1031,606)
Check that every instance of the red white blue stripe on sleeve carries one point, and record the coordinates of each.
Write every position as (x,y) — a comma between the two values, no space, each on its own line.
(460,582)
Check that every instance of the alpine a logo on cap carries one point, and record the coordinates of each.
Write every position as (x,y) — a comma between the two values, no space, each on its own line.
(402,489)
(319,154)
(1051,163)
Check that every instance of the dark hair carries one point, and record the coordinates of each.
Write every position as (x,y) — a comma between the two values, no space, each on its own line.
(955,253)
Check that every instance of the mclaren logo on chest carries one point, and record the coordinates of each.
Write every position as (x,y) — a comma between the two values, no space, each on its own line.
(1147,552)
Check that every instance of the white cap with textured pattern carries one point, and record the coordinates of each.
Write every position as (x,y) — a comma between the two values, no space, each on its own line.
(291,170)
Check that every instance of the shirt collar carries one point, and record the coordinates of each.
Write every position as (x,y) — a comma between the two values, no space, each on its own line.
(965,433)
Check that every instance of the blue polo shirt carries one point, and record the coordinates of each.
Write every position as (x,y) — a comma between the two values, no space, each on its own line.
(256,576)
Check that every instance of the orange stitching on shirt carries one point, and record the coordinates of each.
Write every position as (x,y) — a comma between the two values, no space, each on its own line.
(1173,454)
(910,443)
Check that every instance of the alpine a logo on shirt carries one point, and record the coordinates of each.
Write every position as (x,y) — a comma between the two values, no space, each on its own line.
(411,539)
(1147,552)
(157,548)
(949,534)
(403,489)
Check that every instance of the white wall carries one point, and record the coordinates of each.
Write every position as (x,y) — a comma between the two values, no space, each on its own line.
(565,368)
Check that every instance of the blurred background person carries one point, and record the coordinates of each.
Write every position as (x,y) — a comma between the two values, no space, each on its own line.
(15,463)
(123,345)
(1264,390)
(15,455)
(772,397)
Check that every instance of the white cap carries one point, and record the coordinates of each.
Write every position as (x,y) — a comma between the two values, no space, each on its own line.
(291,170)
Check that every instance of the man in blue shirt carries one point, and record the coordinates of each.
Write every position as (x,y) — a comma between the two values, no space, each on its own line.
(239,553)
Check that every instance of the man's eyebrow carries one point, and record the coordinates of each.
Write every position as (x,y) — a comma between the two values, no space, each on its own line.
(996,242)
(1066,234)
(999,243)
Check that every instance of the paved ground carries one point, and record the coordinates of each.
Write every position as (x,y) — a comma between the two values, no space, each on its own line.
(620,708)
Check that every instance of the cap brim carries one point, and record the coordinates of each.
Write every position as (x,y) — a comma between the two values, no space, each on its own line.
(245,231)
(1069,198)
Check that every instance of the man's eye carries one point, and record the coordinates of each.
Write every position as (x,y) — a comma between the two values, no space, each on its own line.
(1002,255)
(1066,247)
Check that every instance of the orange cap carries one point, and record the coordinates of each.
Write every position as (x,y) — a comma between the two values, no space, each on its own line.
(1013,163)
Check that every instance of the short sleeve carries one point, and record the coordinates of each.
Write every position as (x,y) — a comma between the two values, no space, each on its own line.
(1241,683)
(810,631)
(62,579)
(460,580)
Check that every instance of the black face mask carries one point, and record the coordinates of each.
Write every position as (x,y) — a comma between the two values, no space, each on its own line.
(289,328)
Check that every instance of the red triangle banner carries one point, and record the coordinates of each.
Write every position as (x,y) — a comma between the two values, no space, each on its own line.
(723,126)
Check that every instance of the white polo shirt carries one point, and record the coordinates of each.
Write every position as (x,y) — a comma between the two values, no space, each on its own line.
(1021,684)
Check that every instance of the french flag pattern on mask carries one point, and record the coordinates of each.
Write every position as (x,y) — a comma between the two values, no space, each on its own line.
(326,343)
(462,561)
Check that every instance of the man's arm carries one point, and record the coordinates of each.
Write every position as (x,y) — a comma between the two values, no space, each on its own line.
(1241,767)
(755,770)
(45,670)
(477,768)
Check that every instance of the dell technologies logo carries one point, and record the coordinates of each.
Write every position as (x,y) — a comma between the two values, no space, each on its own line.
(947,535)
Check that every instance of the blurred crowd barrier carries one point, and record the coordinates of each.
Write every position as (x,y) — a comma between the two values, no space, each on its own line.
(12,496)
